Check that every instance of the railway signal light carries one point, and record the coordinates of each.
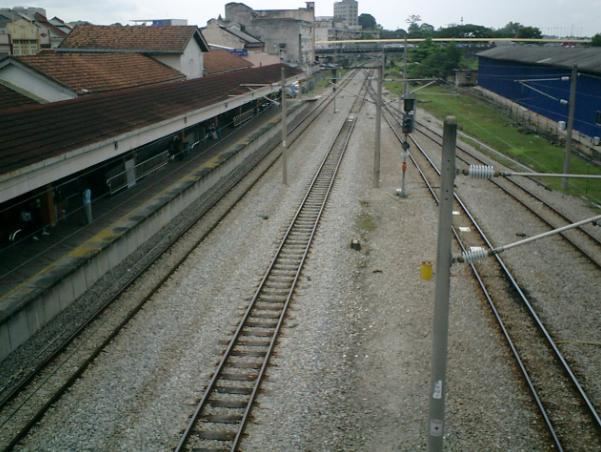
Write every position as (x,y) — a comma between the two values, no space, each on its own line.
(408,104)
(408,123)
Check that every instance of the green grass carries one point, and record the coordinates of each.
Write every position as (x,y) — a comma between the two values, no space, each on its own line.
(487,124)
(326,77)
(366,222)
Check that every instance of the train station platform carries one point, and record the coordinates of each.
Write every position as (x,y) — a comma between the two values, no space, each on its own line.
(40,277)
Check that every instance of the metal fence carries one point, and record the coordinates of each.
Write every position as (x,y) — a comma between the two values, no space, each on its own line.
(119,181)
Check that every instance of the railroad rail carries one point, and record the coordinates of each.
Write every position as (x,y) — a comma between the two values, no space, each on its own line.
(24,402)
(549,378)
(580,238)
(221,415)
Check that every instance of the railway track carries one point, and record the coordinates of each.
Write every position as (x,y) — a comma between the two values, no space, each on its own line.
(581,239)
(568,412)
(25,401)
(220,417)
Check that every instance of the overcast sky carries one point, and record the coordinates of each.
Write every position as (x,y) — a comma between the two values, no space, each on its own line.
(582,17)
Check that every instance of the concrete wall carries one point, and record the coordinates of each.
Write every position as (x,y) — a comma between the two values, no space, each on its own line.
(190,63)
(173,61)
(25,37)
(322,30)
(22,29)
(306,14)
(214,34)
(347,10)
(4,42)
(34,84)
(279,26)
(286,31)
(238,13)
(84,271)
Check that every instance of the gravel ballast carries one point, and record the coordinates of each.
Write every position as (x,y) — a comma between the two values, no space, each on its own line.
(562,285)
(353,373)
(139,394)
(352,368)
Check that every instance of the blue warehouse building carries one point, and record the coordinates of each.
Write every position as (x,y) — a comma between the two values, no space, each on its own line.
(538,78)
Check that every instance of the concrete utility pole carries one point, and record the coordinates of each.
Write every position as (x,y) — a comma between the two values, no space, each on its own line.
(284,132)
(571,113)
(405,65)
(407,125)
(334,83)
(440,326)
(378,126)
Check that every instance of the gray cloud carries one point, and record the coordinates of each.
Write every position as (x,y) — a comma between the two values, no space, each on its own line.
(558,16)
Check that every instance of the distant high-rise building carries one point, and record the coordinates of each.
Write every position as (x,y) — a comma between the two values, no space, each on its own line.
(347,10)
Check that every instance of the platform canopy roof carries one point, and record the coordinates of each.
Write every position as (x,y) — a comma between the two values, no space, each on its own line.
(35,133)
(220,61)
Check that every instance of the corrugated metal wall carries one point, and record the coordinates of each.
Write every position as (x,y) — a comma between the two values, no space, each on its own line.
(502,78)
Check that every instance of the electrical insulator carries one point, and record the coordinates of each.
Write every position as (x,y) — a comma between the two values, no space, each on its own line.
(474,255)
(481,171)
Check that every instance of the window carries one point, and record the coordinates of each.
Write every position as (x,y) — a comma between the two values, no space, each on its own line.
(25,47)
(598,118)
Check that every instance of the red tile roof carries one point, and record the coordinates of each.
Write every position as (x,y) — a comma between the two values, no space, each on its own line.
(35,133)
(219,61)
(138,38)
(10,98)
(96,72)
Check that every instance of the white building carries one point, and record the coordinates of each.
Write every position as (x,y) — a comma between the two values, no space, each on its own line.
(288,34)
(347,10)
(25,31)
(328,28)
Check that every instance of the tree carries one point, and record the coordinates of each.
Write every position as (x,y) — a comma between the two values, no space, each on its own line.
(399,33)
(367,21)
(517,30)
(596,41)
(422,50)
(421,31)
(413,30)
(434,60)
(465,31)
(529,33)
(426,30)
(509,31)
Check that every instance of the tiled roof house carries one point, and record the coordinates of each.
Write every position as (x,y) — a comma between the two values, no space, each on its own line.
(52,76)
(178,46)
